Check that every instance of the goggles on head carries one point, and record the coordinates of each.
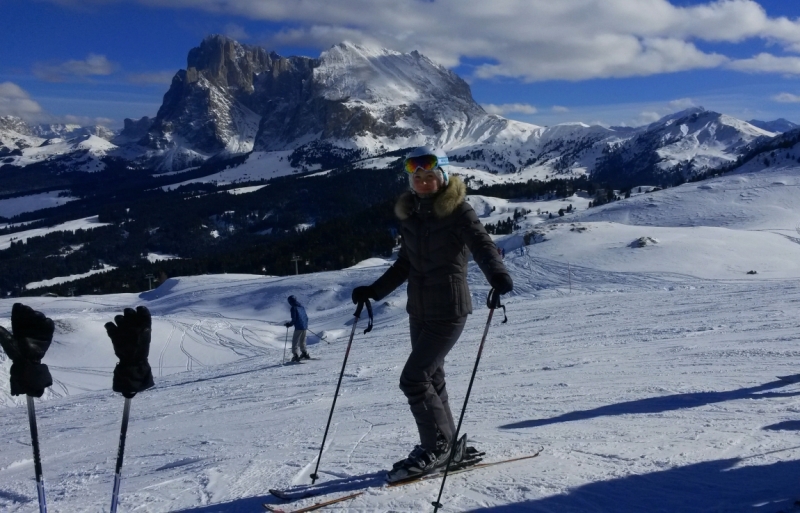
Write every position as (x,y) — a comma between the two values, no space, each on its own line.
(424,162)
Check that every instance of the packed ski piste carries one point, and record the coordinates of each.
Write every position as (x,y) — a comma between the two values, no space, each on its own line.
(626,358)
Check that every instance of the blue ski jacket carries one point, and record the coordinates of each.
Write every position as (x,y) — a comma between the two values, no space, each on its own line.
(299,317)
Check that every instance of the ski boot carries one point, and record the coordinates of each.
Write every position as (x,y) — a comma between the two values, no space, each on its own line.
(295,358)
(461,451)
(421,461)
(305,356)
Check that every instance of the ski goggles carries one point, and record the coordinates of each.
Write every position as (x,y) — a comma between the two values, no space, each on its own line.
(424,162)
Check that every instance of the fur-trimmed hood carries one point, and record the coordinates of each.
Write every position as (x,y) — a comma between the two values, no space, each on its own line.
(444,204)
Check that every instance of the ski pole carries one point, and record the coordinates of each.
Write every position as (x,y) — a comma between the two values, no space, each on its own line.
(357,315)
(285,341)
(37,461)
(492,301)
(120,454)
(130,335)
(321,338)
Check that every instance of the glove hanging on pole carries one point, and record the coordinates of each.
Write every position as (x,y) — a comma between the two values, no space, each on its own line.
(131,339)
(26,345)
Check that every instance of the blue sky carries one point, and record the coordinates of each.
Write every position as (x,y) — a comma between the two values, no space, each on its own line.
(615,62)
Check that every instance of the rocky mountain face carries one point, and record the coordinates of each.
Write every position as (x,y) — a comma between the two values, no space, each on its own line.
(15,136)
(206,108)
(235,98)
(15,124)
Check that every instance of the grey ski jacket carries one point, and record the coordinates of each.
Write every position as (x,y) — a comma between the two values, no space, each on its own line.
(438,234)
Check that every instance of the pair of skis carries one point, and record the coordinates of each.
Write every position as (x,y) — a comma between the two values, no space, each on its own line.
(294,362)
(473,464)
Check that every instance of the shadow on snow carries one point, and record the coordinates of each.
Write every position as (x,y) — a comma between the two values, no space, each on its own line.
(718,486)
(662,404)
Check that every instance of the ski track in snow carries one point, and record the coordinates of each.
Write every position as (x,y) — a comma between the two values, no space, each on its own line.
(651,390)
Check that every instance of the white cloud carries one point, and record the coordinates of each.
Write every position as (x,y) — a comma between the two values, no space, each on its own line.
(237,32)
(681,104)
(786,98)
(647,117)
(83,120)
(532,40)
(15,101)
(508,108)
(94,64)
(559,108)
(157,77)
(767,63)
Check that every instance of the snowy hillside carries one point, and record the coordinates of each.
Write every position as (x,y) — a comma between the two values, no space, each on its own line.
(638,352)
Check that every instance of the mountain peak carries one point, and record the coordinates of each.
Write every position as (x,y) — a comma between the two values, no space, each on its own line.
(226,62)
(678,115)
(780,125)
(369,73)
(16,124)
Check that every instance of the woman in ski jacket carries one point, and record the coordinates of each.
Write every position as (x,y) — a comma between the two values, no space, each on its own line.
(439,231)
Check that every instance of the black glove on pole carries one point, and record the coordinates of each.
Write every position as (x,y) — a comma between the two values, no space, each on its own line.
(502,283)
(31,336)
(131,339)
(362,294)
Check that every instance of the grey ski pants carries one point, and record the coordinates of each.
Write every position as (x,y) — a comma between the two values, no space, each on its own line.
(422,379)
(298,342)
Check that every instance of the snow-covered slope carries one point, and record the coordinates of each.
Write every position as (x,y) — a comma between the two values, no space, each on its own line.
(76,148)
(647,372)
(81,153)
(763,200)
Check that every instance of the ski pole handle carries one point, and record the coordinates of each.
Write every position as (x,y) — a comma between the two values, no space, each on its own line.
(359,308)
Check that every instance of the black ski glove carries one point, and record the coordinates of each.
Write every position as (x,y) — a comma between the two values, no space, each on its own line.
(32,335)
(289,324)
(131,338)
(362,294)
(501,282)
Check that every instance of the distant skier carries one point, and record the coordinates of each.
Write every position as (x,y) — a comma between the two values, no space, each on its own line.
(439,229)
(300,323)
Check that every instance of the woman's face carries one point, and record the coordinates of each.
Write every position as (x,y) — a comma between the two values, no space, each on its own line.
(425,182)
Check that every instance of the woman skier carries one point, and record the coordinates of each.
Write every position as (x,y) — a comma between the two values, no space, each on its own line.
(439,230)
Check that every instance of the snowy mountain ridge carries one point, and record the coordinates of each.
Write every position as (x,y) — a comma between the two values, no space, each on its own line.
(356,102)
